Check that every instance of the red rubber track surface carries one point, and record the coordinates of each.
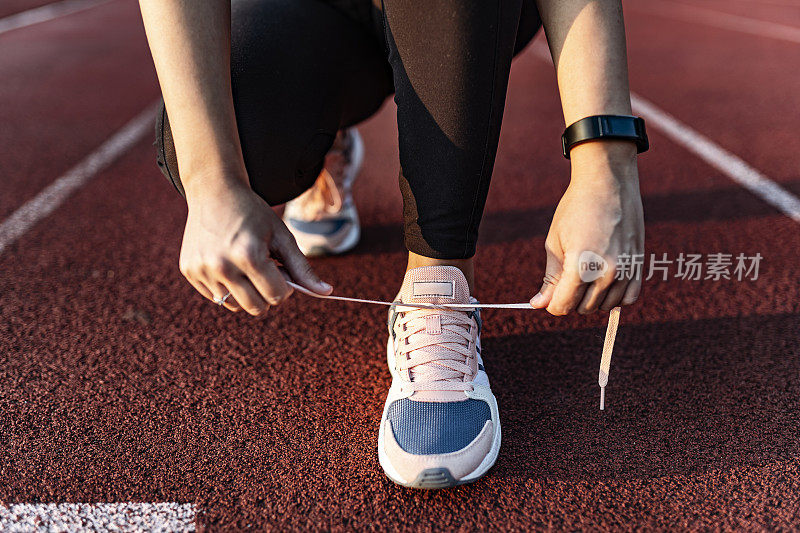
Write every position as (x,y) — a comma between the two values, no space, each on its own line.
(786,12)
(118,383)
(67,86)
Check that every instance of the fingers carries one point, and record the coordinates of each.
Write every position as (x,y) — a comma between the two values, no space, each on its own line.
(562,288)
(260,272)
(250,275)
(269,282)
(246,295)
(215,278)
(226,277)
(568,293)
(197,276)
(623,292)
(297,265)
(632,292)
(551,277)
(220,291)
(202,289)
(598,289)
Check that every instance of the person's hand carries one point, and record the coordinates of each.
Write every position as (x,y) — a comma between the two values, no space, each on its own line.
(600,212)
(231,238)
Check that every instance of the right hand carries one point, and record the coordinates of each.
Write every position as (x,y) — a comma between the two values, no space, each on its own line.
(231,238)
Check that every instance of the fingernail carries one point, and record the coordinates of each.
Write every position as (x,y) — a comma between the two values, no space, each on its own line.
(537,300)
(325,286)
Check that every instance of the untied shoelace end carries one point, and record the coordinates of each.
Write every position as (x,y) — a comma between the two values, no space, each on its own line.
(605,358)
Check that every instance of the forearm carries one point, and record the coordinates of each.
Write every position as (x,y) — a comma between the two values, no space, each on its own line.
(587,42)
(190,44)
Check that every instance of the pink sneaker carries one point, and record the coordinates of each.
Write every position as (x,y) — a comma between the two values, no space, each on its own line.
(440,425)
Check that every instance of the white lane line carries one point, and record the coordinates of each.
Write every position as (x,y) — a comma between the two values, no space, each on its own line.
(45,13)
(716,156)
(84,517)
(711,17)
(704,148)
(52,196)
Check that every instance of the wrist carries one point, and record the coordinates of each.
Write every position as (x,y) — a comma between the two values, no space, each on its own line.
(604,157)
(213,183)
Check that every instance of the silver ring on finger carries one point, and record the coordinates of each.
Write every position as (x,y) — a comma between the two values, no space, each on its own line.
(221,301)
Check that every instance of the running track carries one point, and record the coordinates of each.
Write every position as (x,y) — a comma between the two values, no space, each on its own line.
(118,384)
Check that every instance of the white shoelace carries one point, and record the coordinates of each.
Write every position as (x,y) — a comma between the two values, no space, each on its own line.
(436,362)
(608,344)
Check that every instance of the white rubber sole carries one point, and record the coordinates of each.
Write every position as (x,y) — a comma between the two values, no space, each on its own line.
(435,478)
(323,248)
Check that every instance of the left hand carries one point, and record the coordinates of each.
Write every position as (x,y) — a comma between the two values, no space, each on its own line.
(600,212)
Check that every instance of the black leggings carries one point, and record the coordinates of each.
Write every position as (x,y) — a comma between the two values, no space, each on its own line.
(303,69)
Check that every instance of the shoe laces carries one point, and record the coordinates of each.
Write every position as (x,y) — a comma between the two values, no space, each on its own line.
(608,346)
(436,346)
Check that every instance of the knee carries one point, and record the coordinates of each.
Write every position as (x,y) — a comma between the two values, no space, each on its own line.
(280,166)
(284,162)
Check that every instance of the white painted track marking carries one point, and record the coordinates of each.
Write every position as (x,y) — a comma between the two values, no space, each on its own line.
(45,13)
(719,19)
(44,203)
(704,148)
(85,517)
(716,156)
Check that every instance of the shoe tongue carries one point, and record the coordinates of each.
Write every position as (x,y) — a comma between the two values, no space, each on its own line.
(435,285)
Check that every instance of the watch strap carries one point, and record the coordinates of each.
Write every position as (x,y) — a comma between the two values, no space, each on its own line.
(620,127)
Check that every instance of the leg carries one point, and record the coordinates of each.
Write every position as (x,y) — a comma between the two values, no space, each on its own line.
(449,113)
(301,70)
(451,60)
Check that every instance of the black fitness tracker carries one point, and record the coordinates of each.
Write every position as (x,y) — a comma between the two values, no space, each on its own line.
(622,127)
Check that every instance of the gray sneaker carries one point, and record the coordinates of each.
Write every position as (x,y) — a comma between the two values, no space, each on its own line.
(324,220)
